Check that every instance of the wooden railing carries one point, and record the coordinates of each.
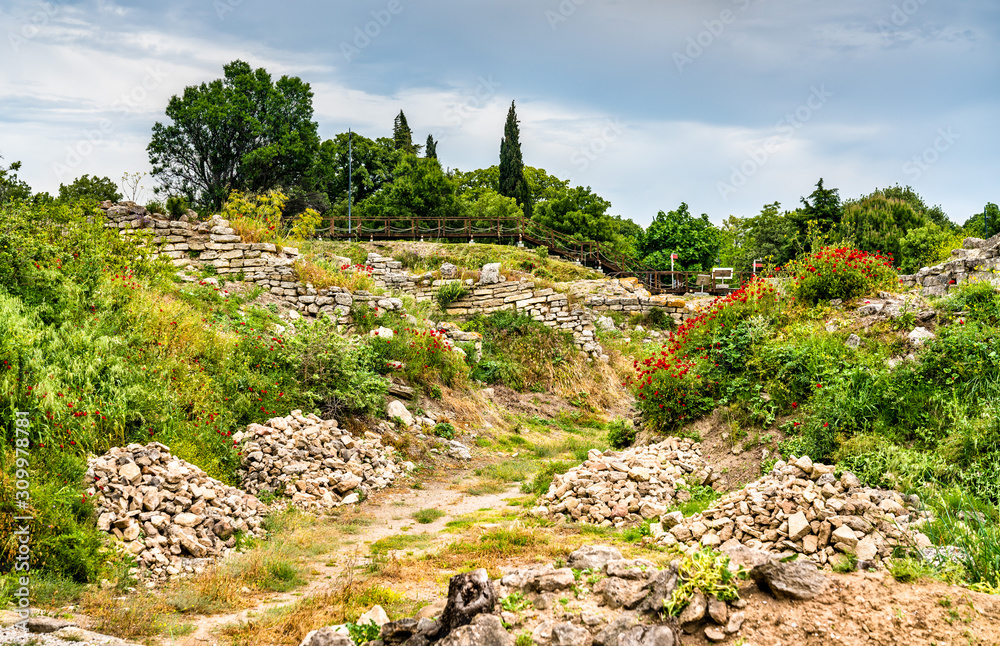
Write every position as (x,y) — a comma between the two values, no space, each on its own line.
(520,229)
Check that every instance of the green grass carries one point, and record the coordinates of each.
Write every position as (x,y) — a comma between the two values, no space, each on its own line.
(427,516)
(402,542)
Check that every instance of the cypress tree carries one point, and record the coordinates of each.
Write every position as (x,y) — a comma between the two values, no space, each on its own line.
(512,182)
(402,137)
(430,150)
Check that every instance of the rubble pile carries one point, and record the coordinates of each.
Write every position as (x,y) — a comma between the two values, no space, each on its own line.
(313,462)
(169,513)
(802,507)
(622,488)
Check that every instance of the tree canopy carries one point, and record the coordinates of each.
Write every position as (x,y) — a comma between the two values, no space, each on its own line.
(694,239)
(242,132)
(13,188)
(86,187)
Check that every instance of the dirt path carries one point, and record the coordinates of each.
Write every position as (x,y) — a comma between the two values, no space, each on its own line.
(385,514)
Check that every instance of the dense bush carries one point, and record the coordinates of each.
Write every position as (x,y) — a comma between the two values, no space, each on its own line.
(840,272)
(522,353)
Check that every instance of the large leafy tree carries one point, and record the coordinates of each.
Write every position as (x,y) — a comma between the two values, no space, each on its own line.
(419,189)
(86,187)
(373,162)
(242,131)
(512,182)
(879,221)
(986,222)
(577,212)
(694,239)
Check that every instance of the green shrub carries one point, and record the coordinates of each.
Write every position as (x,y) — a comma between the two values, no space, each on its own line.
(522,353)
(449,293)
(621,434)
(176,206)
(361,633)
(444,430)
(976,300)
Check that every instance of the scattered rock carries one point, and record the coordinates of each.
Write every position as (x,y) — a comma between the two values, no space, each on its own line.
(398,409)
(919,335)
(42,625)
(326,636)
(628,487)
(694,612)
(469,594)
(485,630)
(800,507)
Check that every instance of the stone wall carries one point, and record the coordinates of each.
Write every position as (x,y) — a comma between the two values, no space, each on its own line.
(214,243)
(977,260)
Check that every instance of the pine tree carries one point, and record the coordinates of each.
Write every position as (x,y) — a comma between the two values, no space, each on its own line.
(402,136)
(512,182)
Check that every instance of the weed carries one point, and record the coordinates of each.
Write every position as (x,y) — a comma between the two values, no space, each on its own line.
(515,602)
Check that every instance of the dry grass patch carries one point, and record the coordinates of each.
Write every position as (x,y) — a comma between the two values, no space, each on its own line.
(138,615)
(341,604)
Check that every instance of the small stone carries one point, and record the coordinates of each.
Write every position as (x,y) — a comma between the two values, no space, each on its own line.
(798,526)
(735,622)
(187,520)
(718,611)
(714,634)
(567,634)
(593,557)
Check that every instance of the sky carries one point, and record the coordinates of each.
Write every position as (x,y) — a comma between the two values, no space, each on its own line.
(726,105)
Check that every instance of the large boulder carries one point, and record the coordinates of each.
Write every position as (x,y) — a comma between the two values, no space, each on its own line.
(593,557)
(490,274)
(794,580)
(469,594)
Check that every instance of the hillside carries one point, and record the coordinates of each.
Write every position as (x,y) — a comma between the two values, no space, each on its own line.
(228,440)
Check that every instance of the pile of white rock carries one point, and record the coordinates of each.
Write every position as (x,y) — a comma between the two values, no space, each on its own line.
(313,462)
(801,507)
(623,488)
(169,513)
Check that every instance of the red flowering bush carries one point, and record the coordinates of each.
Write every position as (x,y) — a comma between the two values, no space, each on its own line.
(678,383)
(841,272)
